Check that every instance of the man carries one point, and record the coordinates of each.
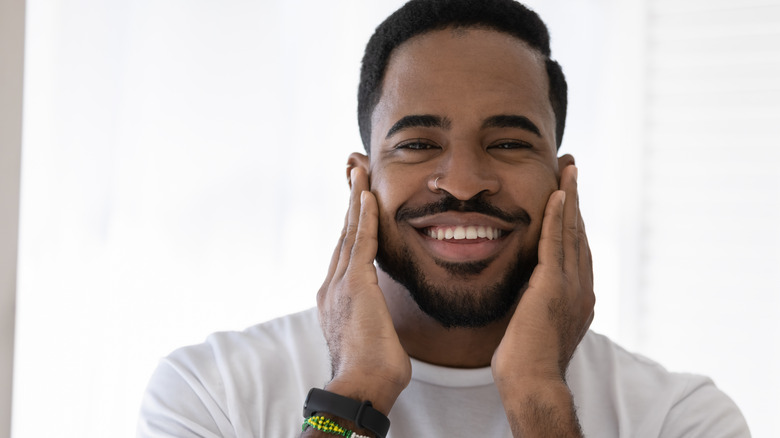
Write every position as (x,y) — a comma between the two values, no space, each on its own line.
(476,320)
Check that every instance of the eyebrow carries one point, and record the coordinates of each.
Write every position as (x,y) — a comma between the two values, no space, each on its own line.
(417,121)
(511,121)
(432,121)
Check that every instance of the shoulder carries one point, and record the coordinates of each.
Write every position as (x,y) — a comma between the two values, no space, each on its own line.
(272,348)
(216,385)
(616,388)
(284,335)
(600,357)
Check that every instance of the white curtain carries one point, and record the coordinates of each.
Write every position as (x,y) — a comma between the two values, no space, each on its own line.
(184,172)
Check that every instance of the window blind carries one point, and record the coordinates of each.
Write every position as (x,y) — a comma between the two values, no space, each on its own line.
(710,245)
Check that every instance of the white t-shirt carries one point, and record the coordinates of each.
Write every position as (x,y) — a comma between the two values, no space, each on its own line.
(253,384)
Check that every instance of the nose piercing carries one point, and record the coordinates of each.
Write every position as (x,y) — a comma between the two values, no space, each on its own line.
(436,183)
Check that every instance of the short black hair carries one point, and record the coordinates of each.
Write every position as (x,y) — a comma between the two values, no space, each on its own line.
(421,16)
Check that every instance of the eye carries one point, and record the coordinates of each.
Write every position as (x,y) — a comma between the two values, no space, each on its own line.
(417,144)
(510,144)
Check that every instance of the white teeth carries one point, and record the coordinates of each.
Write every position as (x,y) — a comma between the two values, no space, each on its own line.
(459,233)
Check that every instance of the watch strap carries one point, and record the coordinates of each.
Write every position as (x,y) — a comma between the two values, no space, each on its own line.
(362,414)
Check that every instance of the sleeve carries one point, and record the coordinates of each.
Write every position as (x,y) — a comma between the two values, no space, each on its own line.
(178,404)
(705,412)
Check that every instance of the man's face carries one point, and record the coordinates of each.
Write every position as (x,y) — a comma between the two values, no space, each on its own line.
(471,108)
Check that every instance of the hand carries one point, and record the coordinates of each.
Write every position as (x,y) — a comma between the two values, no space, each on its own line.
(553,315)
(557,308)
(368,360)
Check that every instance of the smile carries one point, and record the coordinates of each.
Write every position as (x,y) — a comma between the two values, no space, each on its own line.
(460,237)
(469,232)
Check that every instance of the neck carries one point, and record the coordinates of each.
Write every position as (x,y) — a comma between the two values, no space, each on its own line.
(427,340)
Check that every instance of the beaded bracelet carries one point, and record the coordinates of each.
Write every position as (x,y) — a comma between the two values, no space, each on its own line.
(328,426)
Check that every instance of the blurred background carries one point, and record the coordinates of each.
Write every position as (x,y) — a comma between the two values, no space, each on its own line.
(183,172)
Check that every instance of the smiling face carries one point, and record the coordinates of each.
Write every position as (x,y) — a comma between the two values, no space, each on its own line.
(463,160)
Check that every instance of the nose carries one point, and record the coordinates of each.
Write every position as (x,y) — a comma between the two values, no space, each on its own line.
(466,172)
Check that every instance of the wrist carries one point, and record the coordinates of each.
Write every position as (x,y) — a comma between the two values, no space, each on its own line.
(540,408)
(515,371)
(518,393)
(334,413)
(381,393)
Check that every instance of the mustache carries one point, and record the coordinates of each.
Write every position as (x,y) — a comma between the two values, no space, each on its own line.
(477,204)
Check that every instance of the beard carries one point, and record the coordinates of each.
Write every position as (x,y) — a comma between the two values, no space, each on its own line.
(453,303)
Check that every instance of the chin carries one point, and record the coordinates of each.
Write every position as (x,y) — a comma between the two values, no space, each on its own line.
(461,298)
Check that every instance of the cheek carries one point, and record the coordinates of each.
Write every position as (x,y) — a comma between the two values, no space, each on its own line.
(532,191)
(388,194)
(394,187)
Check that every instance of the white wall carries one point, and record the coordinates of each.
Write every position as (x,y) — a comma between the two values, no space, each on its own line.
(710,277)
(184,173)
(11,73)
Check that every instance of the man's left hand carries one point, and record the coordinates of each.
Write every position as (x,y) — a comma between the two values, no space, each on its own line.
(553,315)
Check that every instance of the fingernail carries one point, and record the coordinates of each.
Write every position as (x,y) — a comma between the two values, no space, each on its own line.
(352,174)
(563,197)
(576,173)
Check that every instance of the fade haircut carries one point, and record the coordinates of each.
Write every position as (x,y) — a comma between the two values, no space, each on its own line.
(421,16)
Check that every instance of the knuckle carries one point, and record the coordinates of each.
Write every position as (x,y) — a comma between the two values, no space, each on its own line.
(352,284)
(321,295)
(363,239)
(591,297)
(350,229)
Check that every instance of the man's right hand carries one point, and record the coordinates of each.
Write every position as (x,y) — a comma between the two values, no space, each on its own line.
(367,358)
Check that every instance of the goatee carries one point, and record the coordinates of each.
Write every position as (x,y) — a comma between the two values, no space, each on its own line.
(452,302)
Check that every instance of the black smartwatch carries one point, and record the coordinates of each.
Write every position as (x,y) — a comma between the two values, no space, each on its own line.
(360,413)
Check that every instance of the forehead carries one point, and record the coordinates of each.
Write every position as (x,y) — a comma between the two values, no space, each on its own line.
(465,75)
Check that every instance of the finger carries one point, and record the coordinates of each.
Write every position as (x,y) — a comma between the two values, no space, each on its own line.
(586,275)
(359,184)
(550,248)
(366,244)
(585,257)
(585,298)
(571,214)
(334,261)
(336,256)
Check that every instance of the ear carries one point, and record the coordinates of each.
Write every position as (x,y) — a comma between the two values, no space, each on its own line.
(563,161)
(356,160)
